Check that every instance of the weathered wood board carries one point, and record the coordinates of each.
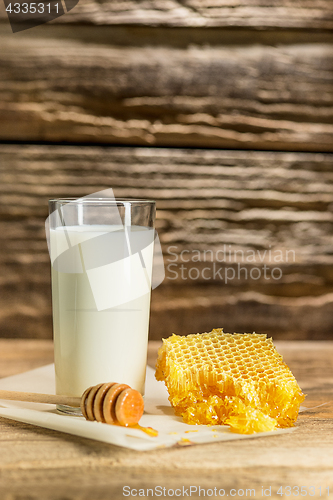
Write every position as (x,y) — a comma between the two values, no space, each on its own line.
(245,96)
(218,212)
(204,13)
(251,75)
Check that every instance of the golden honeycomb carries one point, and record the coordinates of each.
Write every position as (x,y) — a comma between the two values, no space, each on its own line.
(235,379)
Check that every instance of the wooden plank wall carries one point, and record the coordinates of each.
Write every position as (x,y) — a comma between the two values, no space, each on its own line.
(222,112)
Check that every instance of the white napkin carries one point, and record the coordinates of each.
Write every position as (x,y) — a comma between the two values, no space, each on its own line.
(158,414)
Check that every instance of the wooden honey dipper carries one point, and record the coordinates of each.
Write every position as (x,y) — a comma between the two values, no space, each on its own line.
(110,403)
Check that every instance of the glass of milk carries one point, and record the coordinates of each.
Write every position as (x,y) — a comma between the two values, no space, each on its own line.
(101,266)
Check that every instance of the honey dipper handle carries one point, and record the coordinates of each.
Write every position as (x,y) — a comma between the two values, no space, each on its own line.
(33,397)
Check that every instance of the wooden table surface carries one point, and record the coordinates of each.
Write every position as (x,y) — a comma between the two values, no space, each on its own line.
(37,463)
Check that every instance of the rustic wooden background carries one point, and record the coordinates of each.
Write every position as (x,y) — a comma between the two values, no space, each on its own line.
(220,110)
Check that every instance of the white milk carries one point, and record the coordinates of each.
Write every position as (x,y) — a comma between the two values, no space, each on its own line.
(92,346)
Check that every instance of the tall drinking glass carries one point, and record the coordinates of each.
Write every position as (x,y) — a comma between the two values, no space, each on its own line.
(101,266)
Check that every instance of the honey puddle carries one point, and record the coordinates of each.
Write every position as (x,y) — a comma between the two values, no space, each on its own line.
(148,430)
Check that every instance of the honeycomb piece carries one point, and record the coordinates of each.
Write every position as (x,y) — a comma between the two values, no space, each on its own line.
(235,379)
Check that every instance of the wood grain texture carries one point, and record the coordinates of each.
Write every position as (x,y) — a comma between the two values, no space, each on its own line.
(227,96)
(253,14)
(211,205)
(18,356)
(37,463)
(222,13)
